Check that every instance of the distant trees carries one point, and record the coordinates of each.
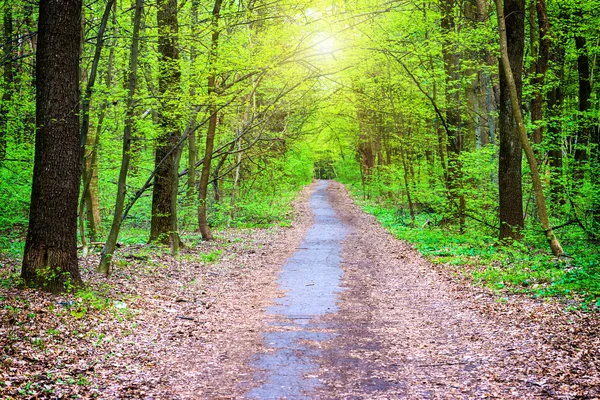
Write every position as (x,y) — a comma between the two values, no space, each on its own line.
(417,109)
(472,145)
(50,259)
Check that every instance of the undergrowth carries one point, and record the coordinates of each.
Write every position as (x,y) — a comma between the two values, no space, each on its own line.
(524,267)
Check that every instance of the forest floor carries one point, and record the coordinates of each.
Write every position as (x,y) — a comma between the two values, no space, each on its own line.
(191,327)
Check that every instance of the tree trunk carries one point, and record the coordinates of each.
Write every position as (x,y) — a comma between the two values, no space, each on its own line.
(585,91)
(510,157)
(541,67)
(192,147)
(516,106)
(85,108)
(92,203)
(111,242)
(7,85)
(89,197)
(50,259)
(163,225)
(453,113)
(236,179)
(555,152)
(174,239)
(212,125)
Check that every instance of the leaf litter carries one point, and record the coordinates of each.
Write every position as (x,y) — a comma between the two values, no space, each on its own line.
(411,329)
(159,328)
(188,327)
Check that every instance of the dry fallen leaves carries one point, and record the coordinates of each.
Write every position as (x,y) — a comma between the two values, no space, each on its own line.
(186,328)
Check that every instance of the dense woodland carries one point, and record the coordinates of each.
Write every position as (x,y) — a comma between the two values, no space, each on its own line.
(468,127)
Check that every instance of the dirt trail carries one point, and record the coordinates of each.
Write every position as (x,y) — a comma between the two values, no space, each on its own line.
(408,331)
(405,330)
(259,320)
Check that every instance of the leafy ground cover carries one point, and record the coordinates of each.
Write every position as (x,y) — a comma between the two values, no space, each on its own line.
(525,267)
(104,340)
(116,337)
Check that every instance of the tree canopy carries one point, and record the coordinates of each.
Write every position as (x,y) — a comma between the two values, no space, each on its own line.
(196,115)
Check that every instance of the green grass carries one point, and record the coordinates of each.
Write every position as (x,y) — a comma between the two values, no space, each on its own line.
(526,267)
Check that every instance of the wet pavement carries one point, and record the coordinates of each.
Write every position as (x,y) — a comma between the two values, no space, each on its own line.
(311,280)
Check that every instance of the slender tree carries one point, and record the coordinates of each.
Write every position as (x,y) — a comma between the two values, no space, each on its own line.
(212,123)
(50,259)
(192,147)
(89,197)
(111,242)
(585,94)
(453,110)
(540,66)
(7,88)
(510,156)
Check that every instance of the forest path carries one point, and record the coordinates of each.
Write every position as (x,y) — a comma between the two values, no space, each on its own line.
(310,280)
(385,323)
(401,329)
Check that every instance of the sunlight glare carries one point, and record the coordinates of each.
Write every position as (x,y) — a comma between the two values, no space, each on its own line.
(325,44)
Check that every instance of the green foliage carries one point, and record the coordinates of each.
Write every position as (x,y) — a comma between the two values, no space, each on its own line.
(346,90)
(211,257)
(518,268)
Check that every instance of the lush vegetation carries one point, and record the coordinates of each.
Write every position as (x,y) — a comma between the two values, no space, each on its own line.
(227,109)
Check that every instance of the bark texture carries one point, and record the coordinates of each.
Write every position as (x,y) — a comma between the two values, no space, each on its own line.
(212,125)
(164,210)
(515,101)
(510,161)
(50,259)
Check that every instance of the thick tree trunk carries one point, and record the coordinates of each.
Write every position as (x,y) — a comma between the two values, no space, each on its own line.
(212,125)
(111,242)
(453,113)
(7,85)
(516,106)
(510,157)
(50,259)
(164,210)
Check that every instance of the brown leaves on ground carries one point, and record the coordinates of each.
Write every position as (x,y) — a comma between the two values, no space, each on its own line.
(160,327)
(410,330)
(187,327)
